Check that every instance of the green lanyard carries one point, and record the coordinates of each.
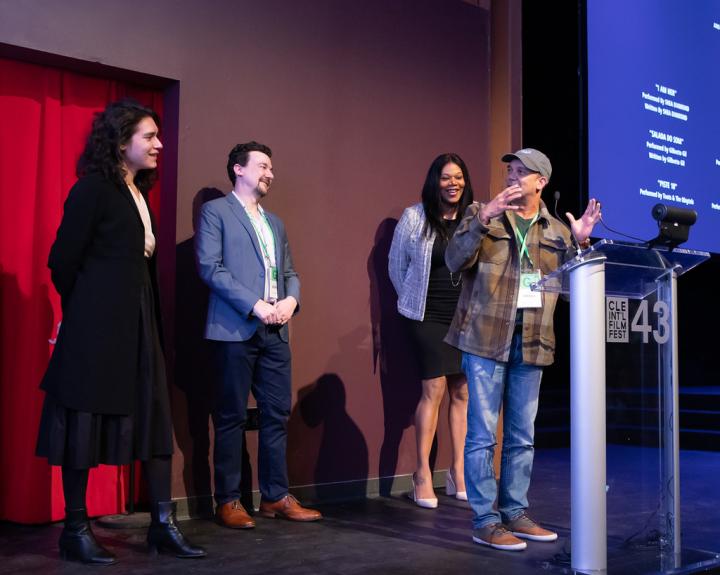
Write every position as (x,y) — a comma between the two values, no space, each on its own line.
(261,236)
(522,240)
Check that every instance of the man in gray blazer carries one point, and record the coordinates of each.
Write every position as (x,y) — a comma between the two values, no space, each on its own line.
(244,257)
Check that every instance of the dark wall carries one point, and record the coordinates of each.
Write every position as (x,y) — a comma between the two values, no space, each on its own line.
(356,99)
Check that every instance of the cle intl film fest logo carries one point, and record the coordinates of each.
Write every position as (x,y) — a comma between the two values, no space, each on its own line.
(618,324)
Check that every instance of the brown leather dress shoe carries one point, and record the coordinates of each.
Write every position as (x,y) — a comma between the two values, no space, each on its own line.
(233,515)
(288,508)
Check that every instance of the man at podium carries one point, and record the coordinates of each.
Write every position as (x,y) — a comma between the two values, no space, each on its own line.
(505,331)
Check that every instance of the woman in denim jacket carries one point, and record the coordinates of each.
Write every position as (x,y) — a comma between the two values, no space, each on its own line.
(427,296)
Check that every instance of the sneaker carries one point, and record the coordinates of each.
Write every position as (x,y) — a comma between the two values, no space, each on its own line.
(496,535)
(526,528)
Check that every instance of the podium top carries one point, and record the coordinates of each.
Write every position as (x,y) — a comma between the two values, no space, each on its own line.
(631,270)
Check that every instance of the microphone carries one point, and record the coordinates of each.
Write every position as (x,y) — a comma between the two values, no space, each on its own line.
(575,243)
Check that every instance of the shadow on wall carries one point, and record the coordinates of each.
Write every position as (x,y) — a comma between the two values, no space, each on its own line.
(342,456)
(323,441)
(393,354)
(193,394)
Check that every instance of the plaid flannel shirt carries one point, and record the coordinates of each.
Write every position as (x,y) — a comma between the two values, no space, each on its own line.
(488,257)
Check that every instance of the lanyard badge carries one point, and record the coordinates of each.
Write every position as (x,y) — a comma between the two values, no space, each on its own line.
(271,270)
(526,297)
(528,276)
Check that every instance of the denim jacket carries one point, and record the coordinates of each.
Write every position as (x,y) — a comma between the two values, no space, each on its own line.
(409,262)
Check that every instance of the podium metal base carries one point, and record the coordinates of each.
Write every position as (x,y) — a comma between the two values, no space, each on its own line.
(644,561)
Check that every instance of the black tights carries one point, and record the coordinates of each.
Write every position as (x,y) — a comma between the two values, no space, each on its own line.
(74,487)
(156,471)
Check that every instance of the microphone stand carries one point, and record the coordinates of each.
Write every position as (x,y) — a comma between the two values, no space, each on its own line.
(573,239)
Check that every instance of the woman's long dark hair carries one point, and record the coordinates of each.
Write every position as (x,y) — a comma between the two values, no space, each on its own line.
(431,194)
(112,128)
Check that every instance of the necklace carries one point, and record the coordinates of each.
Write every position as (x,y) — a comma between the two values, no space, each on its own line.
(454,282)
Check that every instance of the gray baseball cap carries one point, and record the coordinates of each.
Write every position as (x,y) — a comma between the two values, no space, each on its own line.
(532,159)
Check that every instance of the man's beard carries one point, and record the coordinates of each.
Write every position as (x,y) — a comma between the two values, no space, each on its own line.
(262,189)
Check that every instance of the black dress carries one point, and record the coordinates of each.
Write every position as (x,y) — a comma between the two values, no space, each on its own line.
(80,440)
(436,357)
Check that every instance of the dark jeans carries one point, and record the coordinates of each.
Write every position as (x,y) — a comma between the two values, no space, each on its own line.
(260,364)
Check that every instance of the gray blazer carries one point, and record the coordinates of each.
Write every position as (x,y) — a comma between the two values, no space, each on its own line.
(409,262)
(230,262)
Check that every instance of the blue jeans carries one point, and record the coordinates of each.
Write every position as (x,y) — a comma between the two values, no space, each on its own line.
(516,387)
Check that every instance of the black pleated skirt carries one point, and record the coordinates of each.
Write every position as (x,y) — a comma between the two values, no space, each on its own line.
(81,440)
(436,358)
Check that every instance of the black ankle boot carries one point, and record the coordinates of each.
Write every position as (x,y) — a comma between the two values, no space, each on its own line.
(77,542)
(165,535)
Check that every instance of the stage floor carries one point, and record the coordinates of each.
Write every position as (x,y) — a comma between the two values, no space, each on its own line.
(391,535)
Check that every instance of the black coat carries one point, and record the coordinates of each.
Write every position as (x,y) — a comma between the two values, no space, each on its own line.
(97,266)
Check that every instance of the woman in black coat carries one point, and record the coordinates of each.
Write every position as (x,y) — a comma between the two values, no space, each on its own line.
(107,400)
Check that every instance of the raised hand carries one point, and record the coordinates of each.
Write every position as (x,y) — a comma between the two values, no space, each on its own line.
(583,227)
(501,203)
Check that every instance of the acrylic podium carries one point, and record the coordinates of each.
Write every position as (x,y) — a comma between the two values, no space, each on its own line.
(631,271)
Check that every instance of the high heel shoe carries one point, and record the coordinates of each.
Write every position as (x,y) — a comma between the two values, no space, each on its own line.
(427,502)
(451,488)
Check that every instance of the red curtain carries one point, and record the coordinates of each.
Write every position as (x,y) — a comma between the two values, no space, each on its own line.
(45,116)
